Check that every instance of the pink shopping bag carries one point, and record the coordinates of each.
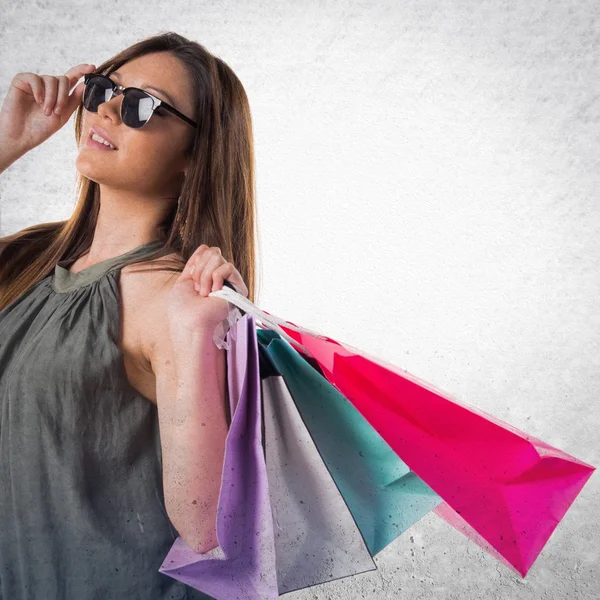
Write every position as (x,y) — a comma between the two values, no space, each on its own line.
(505,489)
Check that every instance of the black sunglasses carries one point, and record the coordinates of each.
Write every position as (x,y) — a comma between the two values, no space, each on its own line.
(137,105)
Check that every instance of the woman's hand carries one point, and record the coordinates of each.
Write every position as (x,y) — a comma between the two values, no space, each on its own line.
(37,106)
(190,309)
(209,269)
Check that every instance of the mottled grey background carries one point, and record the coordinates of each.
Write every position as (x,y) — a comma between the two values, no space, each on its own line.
(428,192)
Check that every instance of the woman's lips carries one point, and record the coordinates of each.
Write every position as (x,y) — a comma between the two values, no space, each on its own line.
(94,144)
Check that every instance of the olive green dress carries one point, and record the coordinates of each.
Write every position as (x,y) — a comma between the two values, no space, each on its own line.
(82,513)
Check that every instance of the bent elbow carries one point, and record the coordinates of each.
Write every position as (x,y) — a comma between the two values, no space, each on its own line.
(200,546)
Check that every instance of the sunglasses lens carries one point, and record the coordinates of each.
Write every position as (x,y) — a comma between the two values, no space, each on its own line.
(97,91)
(136,108)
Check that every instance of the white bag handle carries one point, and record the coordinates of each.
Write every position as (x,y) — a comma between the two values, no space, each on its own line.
(268,321)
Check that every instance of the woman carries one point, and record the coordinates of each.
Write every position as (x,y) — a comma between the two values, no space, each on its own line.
(112,391)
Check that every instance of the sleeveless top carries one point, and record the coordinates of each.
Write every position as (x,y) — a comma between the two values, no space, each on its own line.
(82,512)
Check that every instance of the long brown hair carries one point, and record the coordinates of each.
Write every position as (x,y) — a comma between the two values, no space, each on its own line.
(216,202)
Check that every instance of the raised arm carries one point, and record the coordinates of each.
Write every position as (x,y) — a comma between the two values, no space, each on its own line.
(36,107)
(7,158)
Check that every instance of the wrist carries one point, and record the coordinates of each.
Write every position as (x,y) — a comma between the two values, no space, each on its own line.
(9,155)
(189,346)
(186,338)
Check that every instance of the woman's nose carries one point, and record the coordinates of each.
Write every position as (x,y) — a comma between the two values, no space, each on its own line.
(111,108)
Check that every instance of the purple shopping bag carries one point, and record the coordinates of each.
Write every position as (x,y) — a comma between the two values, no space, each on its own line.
(282,522)
(243,565)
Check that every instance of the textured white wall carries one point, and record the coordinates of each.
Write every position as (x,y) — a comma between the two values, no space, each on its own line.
(428,188)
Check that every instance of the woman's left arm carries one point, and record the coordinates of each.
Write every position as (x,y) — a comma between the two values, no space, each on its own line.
(190,375)
(190,389)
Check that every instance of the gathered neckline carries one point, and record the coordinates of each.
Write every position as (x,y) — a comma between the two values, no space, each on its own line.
(69,261)
(64,280)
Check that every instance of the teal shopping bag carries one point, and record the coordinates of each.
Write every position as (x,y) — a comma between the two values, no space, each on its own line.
(383,495)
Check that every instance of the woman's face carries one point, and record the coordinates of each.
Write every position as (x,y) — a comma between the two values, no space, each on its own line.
(150,159)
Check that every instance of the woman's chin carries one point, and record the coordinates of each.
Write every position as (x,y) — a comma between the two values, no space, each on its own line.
(94,167)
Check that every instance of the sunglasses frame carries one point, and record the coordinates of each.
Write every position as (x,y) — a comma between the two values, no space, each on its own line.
(117,90)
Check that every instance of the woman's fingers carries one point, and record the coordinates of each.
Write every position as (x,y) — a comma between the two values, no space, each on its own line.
(208,269)
(205,260)
(29,83)
(197,261)
(50,92)
(56,90)
(63,93)
(205,283)
(37,87)
(75,73)
(53,92)
(26,114)
(219,275)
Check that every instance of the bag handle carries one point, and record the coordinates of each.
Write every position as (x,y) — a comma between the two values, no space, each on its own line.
(268,321)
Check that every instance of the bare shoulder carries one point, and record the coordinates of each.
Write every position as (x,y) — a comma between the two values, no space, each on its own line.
(145,292)
(145,289)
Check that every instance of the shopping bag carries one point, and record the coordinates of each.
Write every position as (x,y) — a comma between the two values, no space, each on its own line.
(242,565)
(282,523)
(316,538)
(505,489)
(384,496)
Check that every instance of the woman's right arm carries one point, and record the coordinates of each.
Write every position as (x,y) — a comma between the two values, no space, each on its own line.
(36,107)
(6,159)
